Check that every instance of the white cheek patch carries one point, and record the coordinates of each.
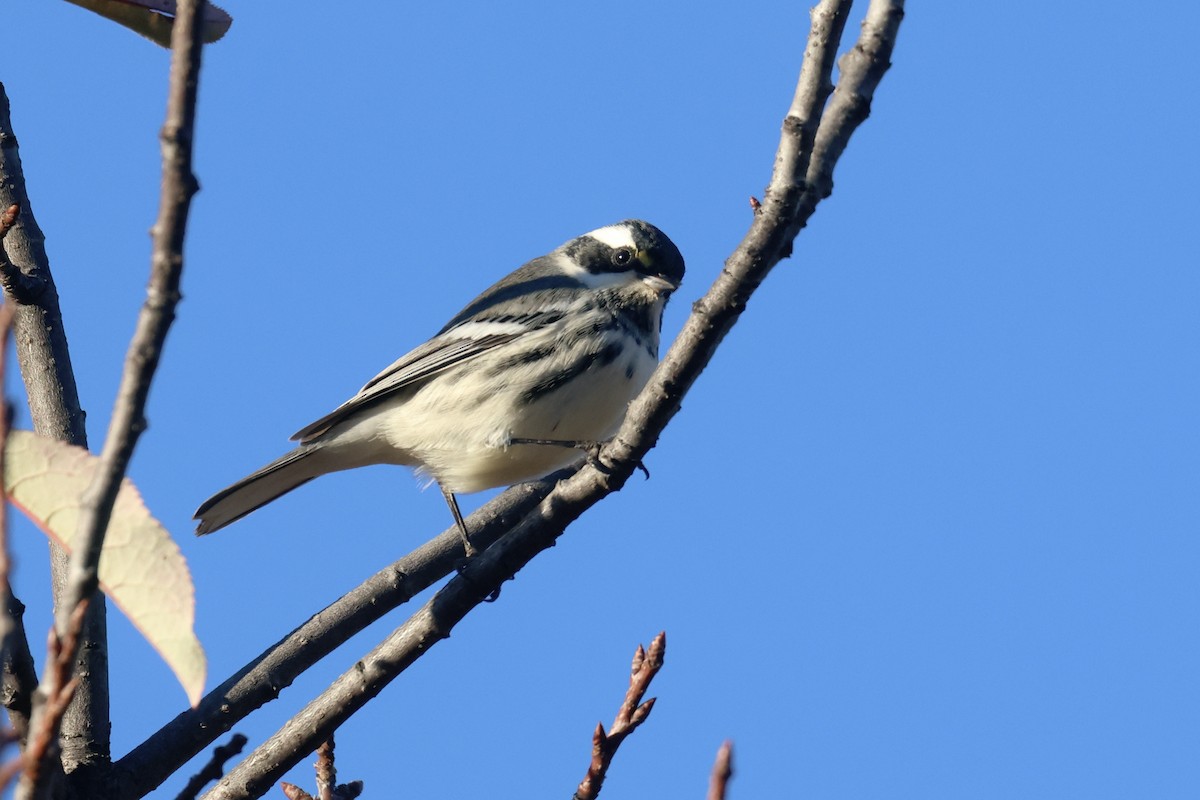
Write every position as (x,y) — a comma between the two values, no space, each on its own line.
(601,280)
(614,236)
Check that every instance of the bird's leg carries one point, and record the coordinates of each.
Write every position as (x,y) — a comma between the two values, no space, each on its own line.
(589,446)
(452,501)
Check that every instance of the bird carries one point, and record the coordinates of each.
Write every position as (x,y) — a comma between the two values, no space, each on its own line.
(533,373)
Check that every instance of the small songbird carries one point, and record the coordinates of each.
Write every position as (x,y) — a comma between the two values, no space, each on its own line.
(543,363)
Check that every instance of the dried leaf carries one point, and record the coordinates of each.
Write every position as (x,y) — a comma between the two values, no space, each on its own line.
(154,18)
(141,568)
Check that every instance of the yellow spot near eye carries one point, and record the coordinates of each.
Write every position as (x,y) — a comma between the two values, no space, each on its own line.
(645,258)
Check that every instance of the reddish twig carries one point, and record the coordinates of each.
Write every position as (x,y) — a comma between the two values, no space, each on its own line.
(128,419)
(11,769)
(7,219)
(326,771)
(633,712)
(293,792)
(214,769)
(721,773)
(58,689)
(327,785)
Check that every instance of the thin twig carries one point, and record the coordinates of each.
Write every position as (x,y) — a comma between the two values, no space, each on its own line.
(293,792)
(326,771)
(214,769)
(722,771)
(633,712)
(327,785)
(713,316)
(10,769)
(59,687)
(158,311)
(157,314)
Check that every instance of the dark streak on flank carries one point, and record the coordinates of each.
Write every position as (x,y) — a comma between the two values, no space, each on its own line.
(559,379)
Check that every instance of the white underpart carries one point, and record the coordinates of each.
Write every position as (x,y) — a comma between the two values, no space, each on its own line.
(457,427)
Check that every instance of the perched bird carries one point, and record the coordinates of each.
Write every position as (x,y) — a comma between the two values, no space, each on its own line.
(541,364)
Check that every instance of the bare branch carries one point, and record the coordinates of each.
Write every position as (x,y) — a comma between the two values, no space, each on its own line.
(214,769)
(477,581)
(12,635)
(128,422)
(158,311)
(779,218)
(261,680)
(768,240)
(862,68)
(44,357)
(54,407)
(633,712)
(722,771)
(178,187)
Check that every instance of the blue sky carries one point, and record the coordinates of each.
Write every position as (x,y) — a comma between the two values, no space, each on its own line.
(926,527)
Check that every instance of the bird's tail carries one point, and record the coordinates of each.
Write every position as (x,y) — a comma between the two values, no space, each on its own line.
(259,488)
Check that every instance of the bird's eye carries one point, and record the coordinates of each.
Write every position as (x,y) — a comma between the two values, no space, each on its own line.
(622,256)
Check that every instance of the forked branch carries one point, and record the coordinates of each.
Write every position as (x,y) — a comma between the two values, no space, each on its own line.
(633,712)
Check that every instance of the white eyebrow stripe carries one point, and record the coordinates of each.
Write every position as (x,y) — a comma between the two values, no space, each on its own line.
(614,236)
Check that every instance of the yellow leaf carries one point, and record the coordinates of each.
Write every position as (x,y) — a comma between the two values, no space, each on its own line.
(141,568)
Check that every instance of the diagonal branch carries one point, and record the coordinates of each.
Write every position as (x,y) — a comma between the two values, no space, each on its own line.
(780,217)
(261,681)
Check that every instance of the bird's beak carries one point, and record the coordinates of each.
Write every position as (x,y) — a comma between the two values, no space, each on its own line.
(655,282)
(659,284)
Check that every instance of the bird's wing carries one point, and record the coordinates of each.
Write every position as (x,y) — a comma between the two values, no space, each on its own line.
(436,355)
